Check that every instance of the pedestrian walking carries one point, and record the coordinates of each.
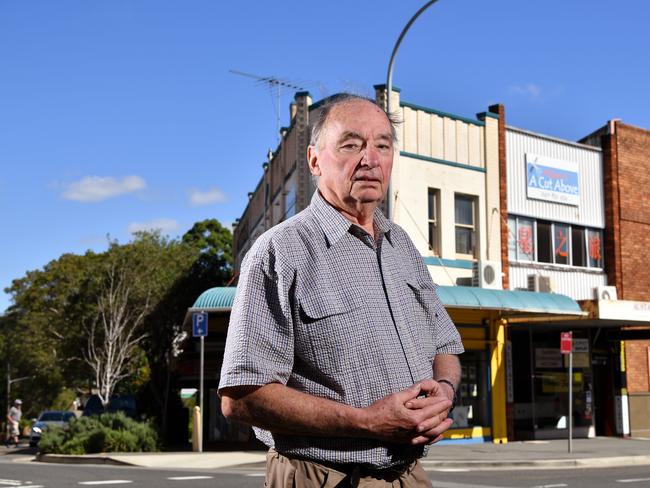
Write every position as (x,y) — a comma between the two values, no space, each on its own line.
(13,422)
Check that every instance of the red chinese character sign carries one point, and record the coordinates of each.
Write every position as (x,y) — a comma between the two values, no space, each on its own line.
(595,249)
(566,342)
(525,241)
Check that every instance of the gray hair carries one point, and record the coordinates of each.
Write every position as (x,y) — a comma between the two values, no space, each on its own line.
(320,122)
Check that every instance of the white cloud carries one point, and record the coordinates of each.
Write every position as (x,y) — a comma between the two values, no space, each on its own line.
(213,195)
(98,188)
(165,226)
(529,89)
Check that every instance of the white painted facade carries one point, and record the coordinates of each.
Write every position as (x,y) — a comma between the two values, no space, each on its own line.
(452,155)
(576,281)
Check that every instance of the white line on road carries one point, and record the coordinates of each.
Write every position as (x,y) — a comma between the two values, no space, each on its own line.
(256,474)
(558,485)
(106,482)
(633,480)
(187,478)
(11,482)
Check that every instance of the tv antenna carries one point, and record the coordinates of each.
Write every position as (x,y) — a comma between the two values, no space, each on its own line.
(275,85)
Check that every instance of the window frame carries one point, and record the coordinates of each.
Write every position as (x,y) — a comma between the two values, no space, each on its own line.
(474,227)
(586,232)
(433,219)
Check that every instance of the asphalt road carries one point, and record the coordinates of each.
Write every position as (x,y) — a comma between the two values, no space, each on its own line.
(40,475)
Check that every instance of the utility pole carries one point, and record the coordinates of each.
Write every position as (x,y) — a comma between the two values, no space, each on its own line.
(11,380)
(273,84)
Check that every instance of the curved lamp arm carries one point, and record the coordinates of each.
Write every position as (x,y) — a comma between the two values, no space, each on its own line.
(389,80)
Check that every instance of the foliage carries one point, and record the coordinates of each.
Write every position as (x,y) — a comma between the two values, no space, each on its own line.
(109,432)
(60,314)
(64,400)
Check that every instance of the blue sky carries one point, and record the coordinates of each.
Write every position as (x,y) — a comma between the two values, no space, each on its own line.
(122,115)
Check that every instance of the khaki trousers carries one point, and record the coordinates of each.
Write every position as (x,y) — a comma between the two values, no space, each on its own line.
(284,472)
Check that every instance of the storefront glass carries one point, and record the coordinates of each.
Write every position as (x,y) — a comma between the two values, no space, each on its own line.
(540,375)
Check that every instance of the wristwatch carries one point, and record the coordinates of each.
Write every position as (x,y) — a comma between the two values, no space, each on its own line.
(454,398)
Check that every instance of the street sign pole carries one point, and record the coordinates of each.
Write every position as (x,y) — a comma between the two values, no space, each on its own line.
(566,347)
(570,419)
(200,329)
(201,396)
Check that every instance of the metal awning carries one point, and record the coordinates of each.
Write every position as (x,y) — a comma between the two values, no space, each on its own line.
(220,299)
(509,302)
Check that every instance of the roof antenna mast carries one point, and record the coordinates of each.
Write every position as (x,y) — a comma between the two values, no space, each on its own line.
(274,84)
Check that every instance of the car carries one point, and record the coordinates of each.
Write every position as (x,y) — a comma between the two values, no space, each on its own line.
(47,419)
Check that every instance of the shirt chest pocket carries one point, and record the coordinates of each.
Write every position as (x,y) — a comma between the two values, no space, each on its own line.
(329,329)
(420,303)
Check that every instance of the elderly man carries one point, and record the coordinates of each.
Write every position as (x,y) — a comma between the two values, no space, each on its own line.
(339,352)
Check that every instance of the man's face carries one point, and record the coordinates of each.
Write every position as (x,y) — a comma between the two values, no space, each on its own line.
(354,158)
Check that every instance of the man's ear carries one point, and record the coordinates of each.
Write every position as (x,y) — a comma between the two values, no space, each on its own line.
(312,160)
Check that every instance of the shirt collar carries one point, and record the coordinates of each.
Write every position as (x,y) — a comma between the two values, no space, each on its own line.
(335,225)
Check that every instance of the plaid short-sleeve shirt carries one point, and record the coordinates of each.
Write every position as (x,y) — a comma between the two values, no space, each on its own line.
(324,308)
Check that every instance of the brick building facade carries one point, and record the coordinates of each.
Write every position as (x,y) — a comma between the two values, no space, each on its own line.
(627,204)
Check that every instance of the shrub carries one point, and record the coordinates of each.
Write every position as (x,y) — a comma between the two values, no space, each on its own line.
(109,432)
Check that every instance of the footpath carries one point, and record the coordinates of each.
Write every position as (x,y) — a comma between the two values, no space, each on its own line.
(587,453)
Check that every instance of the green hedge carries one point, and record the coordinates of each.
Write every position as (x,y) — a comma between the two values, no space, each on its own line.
(108,432)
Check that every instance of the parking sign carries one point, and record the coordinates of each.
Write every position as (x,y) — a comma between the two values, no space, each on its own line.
(199,324)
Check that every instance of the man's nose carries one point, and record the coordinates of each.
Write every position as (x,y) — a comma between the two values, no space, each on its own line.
(370,157)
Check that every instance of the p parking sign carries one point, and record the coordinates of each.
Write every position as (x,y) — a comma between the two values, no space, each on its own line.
(199,324)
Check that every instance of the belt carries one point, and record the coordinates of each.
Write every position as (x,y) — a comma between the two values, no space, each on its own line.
(390,473)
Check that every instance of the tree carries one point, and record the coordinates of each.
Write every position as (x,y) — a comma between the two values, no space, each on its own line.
(114,333)
(214,266)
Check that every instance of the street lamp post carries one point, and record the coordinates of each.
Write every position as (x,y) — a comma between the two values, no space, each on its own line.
(11,380)
(389,76)
(389,81)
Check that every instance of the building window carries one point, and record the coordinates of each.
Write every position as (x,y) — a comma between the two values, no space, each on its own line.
(512,238)
(290,201)
(465,213)
(595,243)
(554,242)
(544,242)
(578,247)
(433,199)
(561,243)
(525,240)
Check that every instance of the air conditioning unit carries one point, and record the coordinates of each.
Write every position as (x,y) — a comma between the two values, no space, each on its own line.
(606,293)
(487,274)
(539,283)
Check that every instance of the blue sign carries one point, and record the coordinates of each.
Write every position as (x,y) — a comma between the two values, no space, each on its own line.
(552,180)
(199,324)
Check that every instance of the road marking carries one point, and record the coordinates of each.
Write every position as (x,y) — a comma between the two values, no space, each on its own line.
(19,483)
(187,478)
(106,482)
(558,485)
(633,480)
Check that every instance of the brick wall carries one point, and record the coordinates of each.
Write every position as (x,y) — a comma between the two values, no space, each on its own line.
(503,190)
(636,358)
(633,151)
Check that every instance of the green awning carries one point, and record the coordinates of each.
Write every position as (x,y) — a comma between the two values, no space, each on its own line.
(511,301)
(220,299)
(216,299)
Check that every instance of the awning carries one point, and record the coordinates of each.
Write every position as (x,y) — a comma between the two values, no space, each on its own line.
(220,299)
(510,302)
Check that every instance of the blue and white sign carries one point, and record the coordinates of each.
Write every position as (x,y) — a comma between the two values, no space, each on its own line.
(199,324)
(552,180)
